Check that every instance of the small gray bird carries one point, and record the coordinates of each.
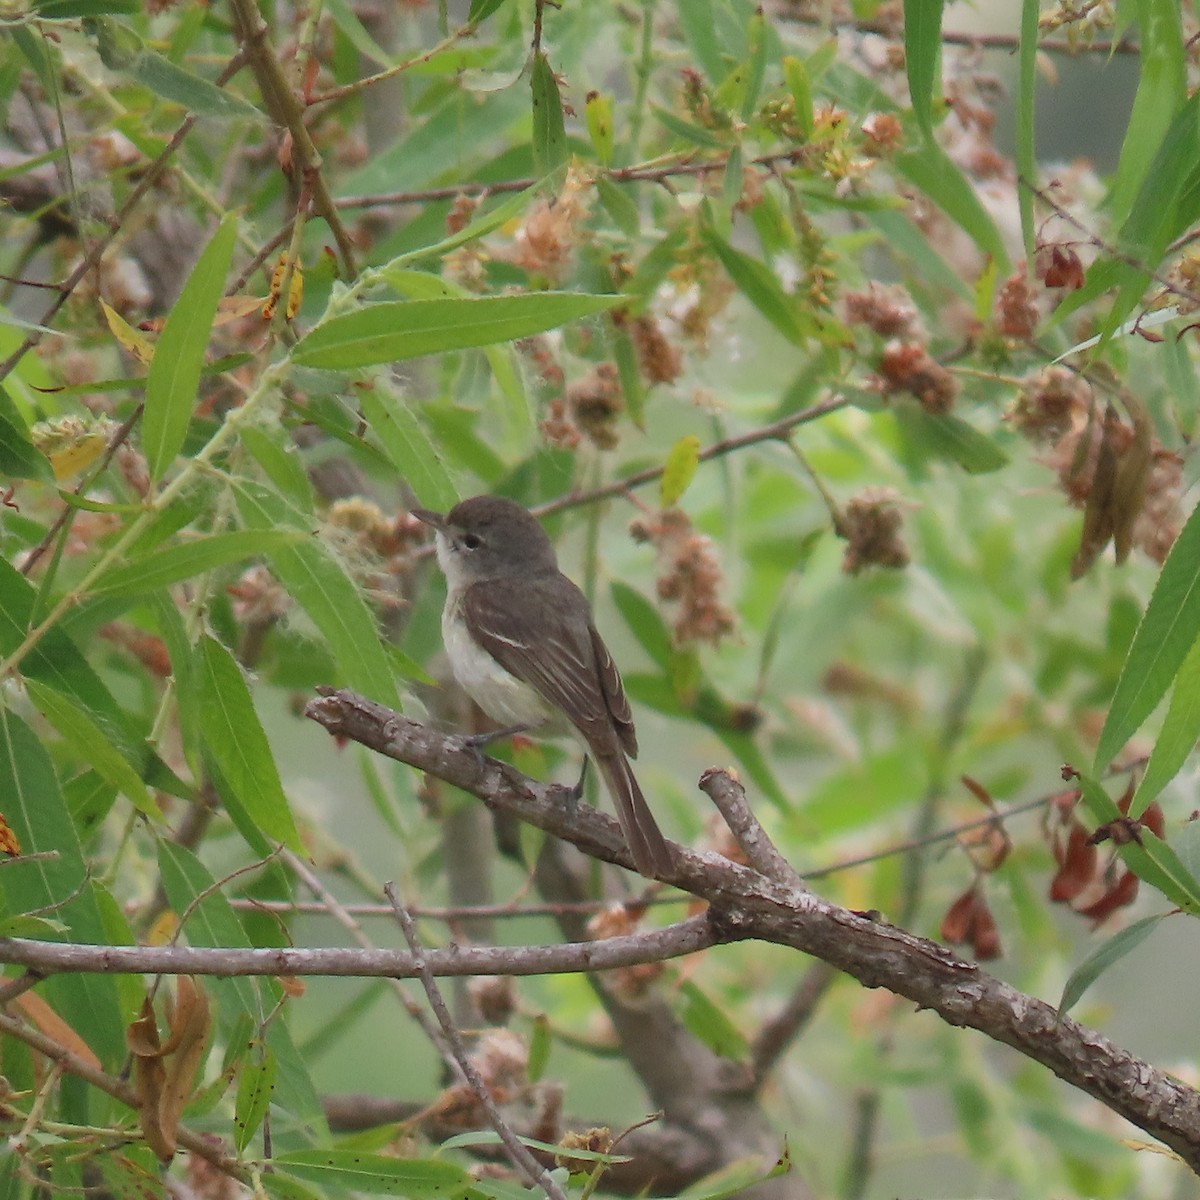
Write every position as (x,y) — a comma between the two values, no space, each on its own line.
(522,644)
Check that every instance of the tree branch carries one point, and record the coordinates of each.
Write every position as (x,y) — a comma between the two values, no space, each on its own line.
(744,904)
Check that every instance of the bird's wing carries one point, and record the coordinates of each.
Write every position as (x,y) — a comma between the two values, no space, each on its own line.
(563,659)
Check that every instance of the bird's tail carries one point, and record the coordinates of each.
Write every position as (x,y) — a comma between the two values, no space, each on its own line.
(651,854)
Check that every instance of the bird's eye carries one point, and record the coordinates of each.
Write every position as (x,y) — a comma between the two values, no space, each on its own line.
(471,541)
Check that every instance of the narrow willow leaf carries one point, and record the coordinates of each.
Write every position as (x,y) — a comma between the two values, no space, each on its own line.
(1026,104)
(376,1174)
(1153,861)
(1178,737)
(482,9)
(18,457)
(190,888)
(1165,636)
(88,740)
(549,134)
(1103,957)
(410,449)
(57,661)
(188,559)
(708,1022)
(931,170)
(679,470)
(698,23)
(179,355)
(922,50)
(356,34)
(646,624)
(33,804)
(1162,86)
(277,456)
(390,332)
(256,1083)
(479,226)
(947,436)
(758,284)
(318,583)
(235,739)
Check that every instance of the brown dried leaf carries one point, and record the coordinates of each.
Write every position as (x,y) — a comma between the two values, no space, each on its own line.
(190,1025)
(53,1026)
(1098,513)
(149,1079)
(1077,866)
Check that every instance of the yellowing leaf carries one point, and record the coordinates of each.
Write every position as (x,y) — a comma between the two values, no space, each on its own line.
(679,469)
(295,288)
(163,929)
(8,840)
(132,342)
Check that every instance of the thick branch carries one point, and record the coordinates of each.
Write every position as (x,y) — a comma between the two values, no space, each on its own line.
(746,905)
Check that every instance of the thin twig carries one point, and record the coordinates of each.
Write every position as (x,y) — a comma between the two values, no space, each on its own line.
(282,104)
(115,224)
(333,907)
(458,1058)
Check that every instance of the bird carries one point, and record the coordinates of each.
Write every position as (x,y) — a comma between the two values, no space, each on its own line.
(523,645)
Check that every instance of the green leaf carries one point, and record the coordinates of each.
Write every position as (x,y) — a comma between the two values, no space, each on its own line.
(922,48)
(122,49)
(931,170)
(645,623)
(1026,104)
(409,448)
(708,1022)
(390,332)
(34,807)
(57,661)
(479,226)
(188,559)
(1178,736)
(377,1175)
(540,1043)
(211,921)
(317,582)
(950,437)
(193,92)
(482,9)
(755,280)
(235,739)
(1163,640)
(86,739)
(179,355)
(1162,84)
(1153,861)
(698,24)
(277,456)
(65,10)
(18,458)
(1103,957)
(695,134)
(549,134)
(356,33)
(256,1083)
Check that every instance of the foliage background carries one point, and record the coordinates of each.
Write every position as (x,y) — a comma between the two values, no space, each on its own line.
(207,527)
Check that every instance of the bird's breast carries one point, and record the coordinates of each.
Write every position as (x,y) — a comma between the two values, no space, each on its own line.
(501,695)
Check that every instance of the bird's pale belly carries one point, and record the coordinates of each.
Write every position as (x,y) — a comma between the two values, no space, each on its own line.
(502,696)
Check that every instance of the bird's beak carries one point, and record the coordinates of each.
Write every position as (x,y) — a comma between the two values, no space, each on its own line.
(435,520)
